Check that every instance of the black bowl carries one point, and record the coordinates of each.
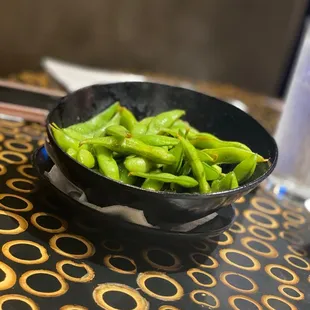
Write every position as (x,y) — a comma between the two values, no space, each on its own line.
(99,222)
(145,99)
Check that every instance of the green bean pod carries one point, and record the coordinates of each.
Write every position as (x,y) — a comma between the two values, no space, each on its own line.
(85,158)
(107,164)
(182,180)
(192,157)
(230,155)
(72,152)
(138,164)
(156,140)
(164,120)
(63,140)
(153,185)
(128,120)
(118,131)
(124,175)
(141,127)
(97,121)
(178,153)
(246,168)
(115,120)
(211,173)
(133,146)
(229,181)
(186,169)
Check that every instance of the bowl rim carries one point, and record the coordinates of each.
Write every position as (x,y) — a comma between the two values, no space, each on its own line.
(247,186)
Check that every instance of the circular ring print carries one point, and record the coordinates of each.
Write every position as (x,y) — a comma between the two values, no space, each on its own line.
(291,237)
(297,251)
(305,265)
(90,249)
(34,221)
(24,285)
(73,307)
(237,228)
(7,253)
(229,239)
(90,274)
(232,302)
(23,137)
(255,263)
(253,287)
(18,146)
(272,252)
(9,277)
(1,137)
(107,260)
(267,298)
(283,290)
(294,217)
(166,307)
(191,273)
(240,200)
(200,245)
(109,245)
(143,277)
(8,130)
(21,169)
(22,224)
(26,300)
(262,233)
(101,289)
(214,305)
(3,169)
(270,223)
(20,158)
(176,265)
(272,209)
(290,225)
(28,207)
(294,278)
(11,124)
(11,184)
(195,259)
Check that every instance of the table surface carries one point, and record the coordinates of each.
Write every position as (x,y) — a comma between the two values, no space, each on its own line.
(52,260)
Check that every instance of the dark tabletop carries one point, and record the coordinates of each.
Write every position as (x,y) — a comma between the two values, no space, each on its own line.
(53,260)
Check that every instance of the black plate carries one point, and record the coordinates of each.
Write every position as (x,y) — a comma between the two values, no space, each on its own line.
(145,99)
(42,163)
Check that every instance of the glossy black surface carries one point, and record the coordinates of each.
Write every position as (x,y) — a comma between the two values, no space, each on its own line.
(146,99)
(42,164)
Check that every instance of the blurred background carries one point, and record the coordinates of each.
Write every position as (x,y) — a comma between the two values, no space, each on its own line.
(250,44)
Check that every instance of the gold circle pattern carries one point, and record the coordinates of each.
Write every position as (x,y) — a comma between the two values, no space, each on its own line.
(191,274)
(34,222)
(232,301)
(9,279)
(9,144)
(11,184)
(101,289)
(107,260)
(90,274)
(294,217)
(283,287)
(267,298)
(22,298)
(297,251)
(143,277)
(275,208)
(273,253)
(22,158)
(250,216)
(239,229)
(166,307)
(73,307)
(29,205)
(226,274)
(253,229)
(7,253)
(22,224)
(21,170)
(270,267)
(216,304)
(229,239)
(3,169)
(214,264)
(288,258)
(24,285)
(90,249)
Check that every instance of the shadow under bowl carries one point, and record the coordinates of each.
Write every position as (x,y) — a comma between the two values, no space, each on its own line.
(146,99)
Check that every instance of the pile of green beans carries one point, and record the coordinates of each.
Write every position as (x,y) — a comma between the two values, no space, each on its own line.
(158,153)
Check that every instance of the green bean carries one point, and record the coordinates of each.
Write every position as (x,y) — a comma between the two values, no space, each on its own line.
(135,147)
(186,169)
(128,120)
(63,140)
(156,140)
(153,185)
(124,175)
(215,186)
(206,157)
(141,127)
(211,173)
(197,167)
(118,131)
(138,164)
(208,141)
(164,120)
(177,152)
(115,120)
(230,155)
(229,181)
(246,168)
(107,164)
(97,121)
(85,158)
(182,180)
(218,168)
(72,152)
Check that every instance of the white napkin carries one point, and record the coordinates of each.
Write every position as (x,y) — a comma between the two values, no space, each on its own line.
(128,214)
(74,77)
